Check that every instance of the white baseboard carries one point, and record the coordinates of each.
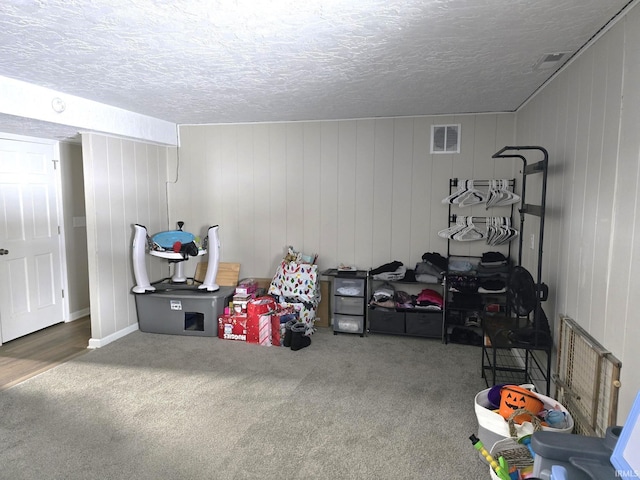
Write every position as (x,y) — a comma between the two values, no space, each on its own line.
(101,342)
(79,314)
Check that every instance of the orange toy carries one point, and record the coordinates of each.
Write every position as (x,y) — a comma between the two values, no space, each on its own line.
(513,397)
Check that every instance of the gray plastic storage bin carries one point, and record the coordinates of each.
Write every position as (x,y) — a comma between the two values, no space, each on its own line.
(182,311)
(351,287)
(349,305)
(348,324)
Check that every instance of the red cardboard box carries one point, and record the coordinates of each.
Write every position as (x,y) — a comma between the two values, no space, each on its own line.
(232,327)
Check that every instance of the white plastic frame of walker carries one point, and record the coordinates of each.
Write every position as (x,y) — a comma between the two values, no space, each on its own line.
(143,285)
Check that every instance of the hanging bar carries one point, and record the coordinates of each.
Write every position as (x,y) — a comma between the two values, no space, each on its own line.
(481,183)
(454,217)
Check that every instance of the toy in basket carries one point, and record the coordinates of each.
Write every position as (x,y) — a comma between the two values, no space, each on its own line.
(514,452)
(493,427)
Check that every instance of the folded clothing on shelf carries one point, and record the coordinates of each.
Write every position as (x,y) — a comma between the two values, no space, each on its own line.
(429,297)
(461,266)
(493,258)
(383,293)
(387,267)
(389,271)
(492,284)
(463,283)
(436,260)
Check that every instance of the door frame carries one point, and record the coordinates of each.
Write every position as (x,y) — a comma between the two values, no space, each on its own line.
(59,212)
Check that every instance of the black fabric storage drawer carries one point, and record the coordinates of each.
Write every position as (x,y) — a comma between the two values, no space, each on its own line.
(424,324)
(384,321)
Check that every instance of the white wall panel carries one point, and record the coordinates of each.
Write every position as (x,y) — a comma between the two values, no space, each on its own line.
(329,234)
(75,229)
(623,301)
(124,185)
(588,118)
(383,194)
(296,184)
(246,200)
(364,192)
(421,191)
(361,192)
(402,167)
(261,186)
(438,184)
(278,174)
(129,212)
(346,180)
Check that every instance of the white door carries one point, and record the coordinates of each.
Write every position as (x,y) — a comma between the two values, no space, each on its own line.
(30,279)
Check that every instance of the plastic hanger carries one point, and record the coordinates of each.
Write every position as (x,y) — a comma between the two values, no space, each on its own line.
(461,223)
(500,195)
(469,233)
(473,196)
(462,189)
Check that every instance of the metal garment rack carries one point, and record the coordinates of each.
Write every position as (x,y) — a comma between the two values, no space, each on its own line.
(453,183)
(533,370)
(540,167)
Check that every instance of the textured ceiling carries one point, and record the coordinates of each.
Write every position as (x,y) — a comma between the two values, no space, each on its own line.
(199,61)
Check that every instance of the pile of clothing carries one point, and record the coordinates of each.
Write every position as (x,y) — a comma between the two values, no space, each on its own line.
(489,276)
(492,273)
(386,297)
(392,271)
(431,270)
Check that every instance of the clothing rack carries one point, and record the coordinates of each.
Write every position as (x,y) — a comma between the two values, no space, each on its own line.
(474,219)
(453,182)
(537,210)
(541,290)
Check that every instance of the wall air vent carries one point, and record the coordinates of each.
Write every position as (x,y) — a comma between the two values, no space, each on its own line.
(445,138)
(550,60)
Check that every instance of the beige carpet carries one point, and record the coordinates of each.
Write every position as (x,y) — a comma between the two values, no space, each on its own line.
(155,407)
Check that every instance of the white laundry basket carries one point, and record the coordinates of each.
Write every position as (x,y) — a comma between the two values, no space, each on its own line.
(492,427)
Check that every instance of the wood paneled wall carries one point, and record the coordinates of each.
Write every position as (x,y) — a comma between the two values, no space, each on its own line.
(361,192)
(75,235)
(588,118)
(125,184)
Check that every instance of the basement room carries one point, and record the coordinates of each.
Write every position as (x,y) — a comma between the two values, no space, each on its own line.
(355,239)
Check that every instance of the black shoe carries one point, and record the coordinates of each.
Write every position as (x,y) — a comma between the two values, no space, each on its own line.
(287,333)
(298,338)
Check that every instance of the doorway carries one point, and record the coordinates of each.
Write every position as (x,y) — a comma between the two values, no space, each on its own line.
(54,286)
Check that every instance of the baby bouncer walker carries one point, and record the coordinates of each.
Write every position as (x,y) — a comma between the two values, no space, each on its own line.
(174,306)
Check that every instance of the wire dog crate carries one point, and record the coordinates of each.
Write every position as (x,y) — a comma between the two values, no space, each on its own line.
(587,379)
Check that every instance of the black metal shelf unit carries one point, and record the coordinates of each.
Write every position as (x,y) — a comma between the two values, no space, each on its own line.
(496,361)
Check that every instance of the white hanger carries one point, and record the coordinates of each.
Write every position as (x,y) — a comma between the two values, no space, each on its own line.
(461,223)
(473,196)
(470,233)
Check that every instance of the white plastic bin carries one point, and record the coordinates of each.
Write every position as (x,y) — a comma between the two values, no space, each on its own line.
(492,427)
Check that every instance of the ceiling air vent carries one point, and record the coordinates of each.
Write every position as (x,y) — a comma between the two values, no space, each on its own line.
(445,138)
(550,60)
